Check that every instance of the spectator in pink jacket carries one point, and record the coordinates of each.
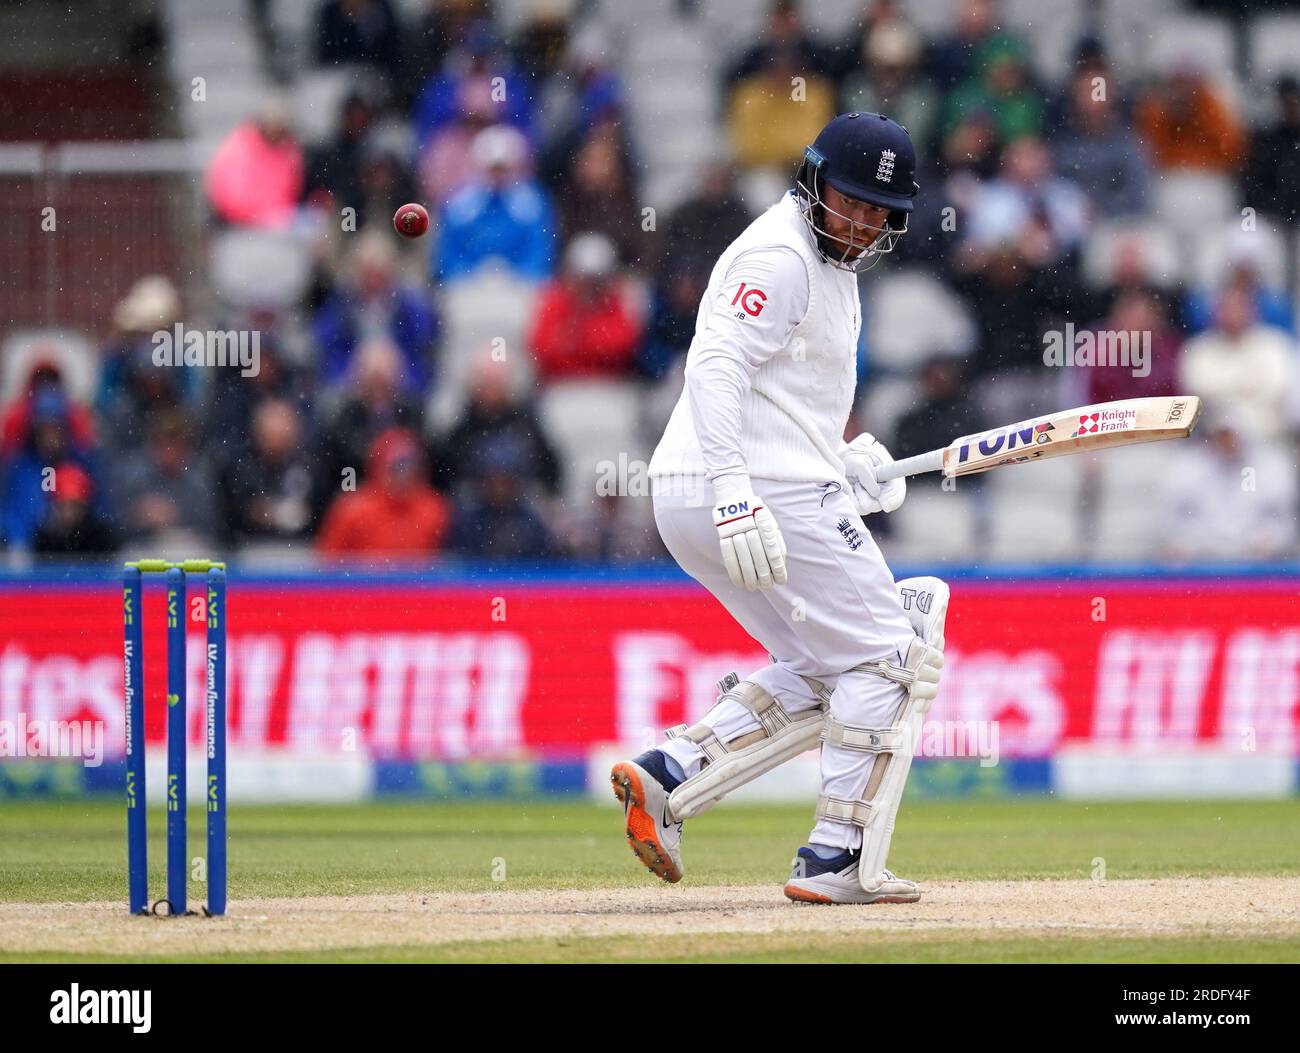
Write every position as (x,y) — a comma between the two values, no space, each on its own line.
(256,177)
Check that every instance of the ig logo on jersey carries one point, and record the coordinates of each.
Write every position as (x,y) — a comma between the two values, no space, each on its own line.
(752,300)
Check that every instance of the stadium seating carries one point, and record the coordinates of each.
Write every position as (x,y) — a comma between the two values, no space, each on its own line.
(911,316)
(259,268)
(1273,43)
(593,423)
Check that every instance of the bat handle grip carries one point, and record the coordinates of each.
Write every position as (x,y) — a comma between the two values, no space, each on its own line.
(918,465)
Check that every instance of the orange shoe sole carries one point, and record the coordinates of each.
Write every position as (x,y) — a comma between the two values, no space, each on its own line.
(641,824)
(803,895)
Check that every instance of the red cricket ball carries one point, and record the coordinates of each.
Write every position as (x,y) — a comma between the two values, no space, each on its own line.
(411,220)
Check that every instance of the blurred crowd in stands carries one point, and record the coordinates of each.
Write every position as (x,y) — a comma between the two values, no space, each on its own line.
(439,396)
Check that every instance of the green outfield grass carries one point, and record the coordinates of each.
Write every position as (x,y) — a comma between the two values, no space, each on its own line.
(75,851)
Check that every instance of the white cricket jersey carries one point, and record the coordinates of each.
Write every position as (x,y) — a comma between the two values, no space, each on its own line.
(771,371)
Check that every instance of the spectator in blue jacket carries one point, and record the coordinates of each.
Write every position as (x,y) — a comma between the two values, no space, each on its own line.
(372,303)
(1273,306)
(498,216)
(31,474)
(467,70)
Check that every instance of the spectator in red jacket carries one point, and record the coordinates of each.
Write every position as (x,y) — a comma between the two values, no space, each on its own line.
(72,529)
(394,513)
(586,324)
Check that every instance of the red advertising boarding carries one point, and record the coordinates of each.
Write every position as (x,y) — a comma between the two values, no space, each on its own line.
(415,669)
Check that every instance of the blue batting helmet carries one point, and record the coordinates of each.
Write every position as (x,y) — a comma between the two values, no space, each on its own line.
(867,157)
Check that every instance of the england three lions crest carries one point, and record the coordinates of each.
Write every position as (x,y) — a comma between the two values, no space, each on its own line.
(885,170)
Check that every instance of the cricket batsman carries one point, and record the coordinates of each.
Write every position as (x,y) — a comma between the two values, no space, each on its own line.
(759,499)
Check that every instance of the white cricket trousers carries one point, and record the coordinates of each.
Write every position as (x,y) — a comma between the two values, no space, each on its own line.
(838,609)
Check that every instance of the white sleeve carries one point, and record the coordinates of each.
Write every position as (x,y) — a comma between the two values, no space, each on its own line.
(763,298)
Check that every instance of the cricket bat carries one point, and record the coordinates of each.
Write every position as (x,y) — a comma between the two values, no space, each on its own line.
(1122,423)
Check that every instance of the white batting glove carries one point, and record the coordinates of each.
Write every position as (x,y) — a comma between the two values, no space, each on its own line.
(861,459)
(753,550)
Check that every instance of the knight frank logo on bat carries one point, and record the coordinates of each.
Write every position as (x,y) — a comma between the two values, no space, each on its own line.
(1106,420)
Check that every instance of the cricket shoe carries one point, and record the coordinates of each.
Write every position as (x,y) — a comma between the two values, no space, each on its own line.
(653,833)
(835,880)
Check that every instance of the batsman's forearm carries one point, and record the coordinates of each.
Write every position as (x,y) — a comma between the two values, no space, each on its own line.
(716,386)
